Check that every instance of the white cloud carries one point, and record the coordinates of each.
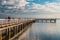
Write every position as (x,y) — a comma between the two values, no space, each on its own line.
(4,2)
(45,10)
(49,7)
(10,2)
(22,3)
(54,6)
(41,10)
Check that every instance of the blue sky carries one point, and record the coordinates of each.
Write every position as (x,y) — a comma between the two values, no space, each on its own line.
(40,1)
(34,8)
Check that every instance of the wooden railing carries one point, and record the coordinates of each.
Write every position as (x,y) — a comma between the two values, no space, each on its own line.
(9,32)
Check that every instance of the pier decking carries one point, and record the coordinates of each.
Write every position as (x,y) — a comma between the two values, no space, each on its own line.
(47,20)
(10,30)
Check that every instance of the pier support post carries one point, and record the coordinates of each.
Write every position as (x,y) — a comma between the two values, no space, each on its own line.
(53,21)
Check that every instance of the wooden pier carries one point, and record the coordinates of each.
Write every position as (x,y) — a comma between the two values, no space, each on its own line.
(47,20)
(11,30)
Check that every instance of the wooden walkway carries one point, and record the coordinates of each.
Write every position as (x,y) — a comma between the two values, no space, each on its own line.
(10,30)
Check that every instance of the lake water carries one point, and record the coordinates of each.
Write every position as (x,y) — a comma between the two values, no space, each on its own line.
(42,31)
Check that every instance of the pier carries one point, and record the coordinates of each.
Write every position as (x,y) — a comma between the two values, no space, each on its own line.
(14,28)
(47,20)
(9,30)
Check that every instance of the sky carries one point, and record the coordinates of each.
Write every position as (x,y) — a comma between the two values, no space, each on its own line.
(33,8)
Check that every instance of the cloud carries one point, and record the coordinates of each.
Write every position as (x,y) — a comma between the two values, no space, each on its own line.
(8,2)
(47,10)
(48,7)
(22,3)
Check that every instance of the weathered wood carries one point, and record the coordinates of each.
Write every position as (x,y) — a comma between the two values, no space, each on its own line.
(13,30)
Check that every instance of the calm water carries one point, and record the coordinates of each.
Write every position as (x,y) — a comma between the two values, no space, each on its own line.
(42,31)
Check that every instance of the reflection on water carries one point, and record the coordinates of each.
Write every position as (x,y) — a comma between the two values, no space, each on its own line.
(42,31)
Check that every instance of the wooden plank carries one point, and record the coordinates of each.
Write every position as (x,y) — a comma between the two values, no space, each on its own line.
(18,33)
(0,35)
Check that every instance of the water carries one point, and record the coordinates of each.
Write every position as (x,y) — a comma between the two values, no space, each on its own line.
(42,31)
